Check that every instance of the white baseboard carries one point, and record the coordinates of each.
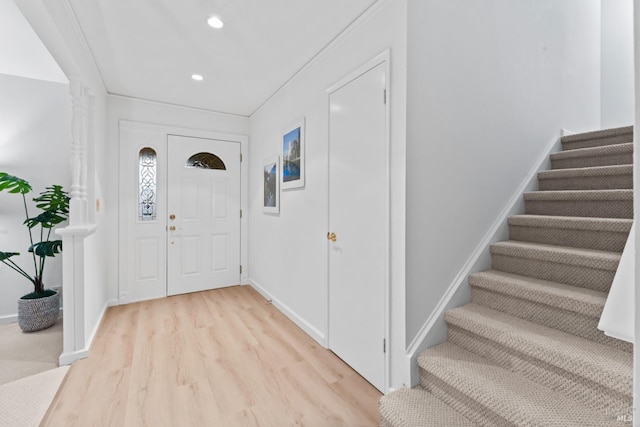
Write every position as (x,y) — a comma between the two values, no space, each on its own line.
(295,318)
(11,318)
(92,335)
(433,331)
(69,358)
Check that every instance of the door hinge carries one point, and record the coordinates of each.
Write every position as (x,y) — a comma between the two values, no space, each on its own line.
(240,269)
(384,345)
(240,157)
(240,213)
(384,96)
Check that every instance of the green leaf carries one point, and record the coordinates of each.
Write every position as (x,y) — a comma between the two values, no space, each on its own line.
(46,220)
(13,184)
(7,255)
(48,248)
(53,199)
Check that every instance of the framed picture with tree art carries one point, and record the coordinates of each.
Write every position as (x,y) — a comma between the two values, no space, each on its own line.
(293,146)
(271,185)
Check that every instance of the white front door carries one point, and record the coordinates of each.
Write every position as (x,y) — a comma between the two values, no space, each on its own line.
(203,227)
(358,218)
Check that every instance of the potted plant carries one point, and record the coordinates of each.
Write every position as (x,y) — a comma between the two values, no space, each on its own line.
(39,309)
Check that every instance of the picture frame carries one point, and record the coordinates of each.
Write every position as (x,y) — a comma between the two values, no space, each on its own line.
(293,157)
(271,185)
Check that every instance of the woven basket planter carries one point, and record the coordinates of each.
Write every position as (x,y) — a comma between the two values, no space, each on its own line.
(37,314)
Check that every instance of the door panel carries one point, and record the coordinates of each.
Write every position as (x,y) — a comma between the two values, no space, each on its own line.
(358,215)
(142,241)
(204,236)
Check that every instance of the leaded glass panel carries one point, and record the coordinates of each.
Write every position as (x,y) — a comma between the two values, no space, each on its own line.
(147,197)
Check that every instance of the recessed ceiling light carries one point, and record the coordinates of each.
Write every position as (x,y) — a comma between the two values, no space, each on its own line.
(215,22)
(197,77)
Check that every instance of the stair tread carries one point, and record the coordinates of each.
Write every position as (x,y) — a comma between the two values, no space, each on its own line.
(598,134)
(621,225)
(513,397)
(567,297)
(581,195)
(590,171)
(419,408)
(600,363)
(560,254)
(605,150)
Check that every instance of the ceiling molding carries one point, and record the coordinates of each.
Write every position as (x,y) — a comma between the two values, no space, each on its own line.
(353,25)
(179,106)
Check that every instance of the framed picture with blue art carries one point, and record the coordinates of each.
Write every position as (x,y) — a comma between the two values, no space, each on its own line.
(293,146)
(271,185)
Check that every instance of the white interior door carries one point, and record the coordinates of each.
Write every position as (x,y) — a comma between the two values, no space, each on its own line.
(358,219)
(203,231)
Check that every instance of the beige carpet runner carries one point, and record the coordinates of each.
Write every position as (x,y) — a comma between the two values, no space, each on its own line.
(526,351)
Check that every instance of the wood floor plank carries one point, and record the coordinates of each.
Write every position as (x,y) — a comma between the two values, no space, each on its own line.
(217,358)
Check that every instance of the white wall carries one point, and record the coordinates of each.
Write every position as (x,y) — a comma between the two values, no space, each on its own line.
(490,84)
(288,252)
(123,108)
(35,119)
(617,63)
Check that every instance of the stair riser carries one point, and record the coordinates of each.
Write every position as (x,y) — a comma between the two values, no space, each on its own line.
(465,405)
(609,182)
(582,208)
(552,317)
(593,395)
(590,278)
(584,239)
(618,139)
(585,162)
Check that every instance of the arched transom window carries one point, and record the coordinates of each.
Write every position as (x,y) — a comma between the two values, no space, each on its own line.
(205,161)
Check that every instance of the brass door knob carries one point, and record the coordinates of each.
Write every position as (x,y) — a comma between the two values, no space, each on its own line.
(332,237)
(172,228)
(172,217)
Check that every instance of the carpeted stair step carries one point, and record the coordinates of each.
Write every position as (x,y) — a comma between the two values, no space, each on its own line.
(589,203)
(564,307)
(591,178)
(598,138)
(618,154)
(596,375)
(418,408)
(490,395)
(578,267)
(604,234)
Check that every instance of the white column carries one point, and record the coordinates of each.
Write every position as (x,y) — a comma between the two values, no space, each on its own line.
(73,236)
(79,134)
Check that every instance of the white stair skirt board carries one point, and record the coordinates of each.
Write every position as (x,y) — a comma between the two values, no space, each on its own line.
(617,318)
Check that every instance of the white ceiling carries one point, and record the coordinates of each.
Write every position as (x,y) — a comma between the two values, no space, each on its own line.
(28,57)
(150,48)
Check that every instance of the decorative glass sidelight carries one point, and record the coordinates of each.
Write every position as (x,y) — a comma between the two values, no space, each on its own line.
(205,161)
(147,194)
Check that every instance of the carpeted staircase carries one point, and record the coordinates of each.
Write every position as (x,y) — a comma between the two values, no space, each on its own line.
(526,351)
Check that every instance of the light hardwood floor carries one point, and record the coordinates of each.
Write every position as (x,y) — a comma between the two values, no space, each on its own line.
(217,358)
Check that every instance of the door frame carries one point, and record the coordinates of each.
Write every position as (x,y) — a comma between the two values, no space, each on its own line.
(160,133)
(382,58)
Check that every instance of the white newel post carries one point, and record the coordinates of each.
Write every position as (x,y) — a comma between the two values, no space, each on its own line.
(73,236)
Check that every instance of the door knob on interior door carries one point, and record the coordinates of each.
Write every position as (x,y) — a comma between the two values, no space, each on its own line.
(172,228)
(332,237)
